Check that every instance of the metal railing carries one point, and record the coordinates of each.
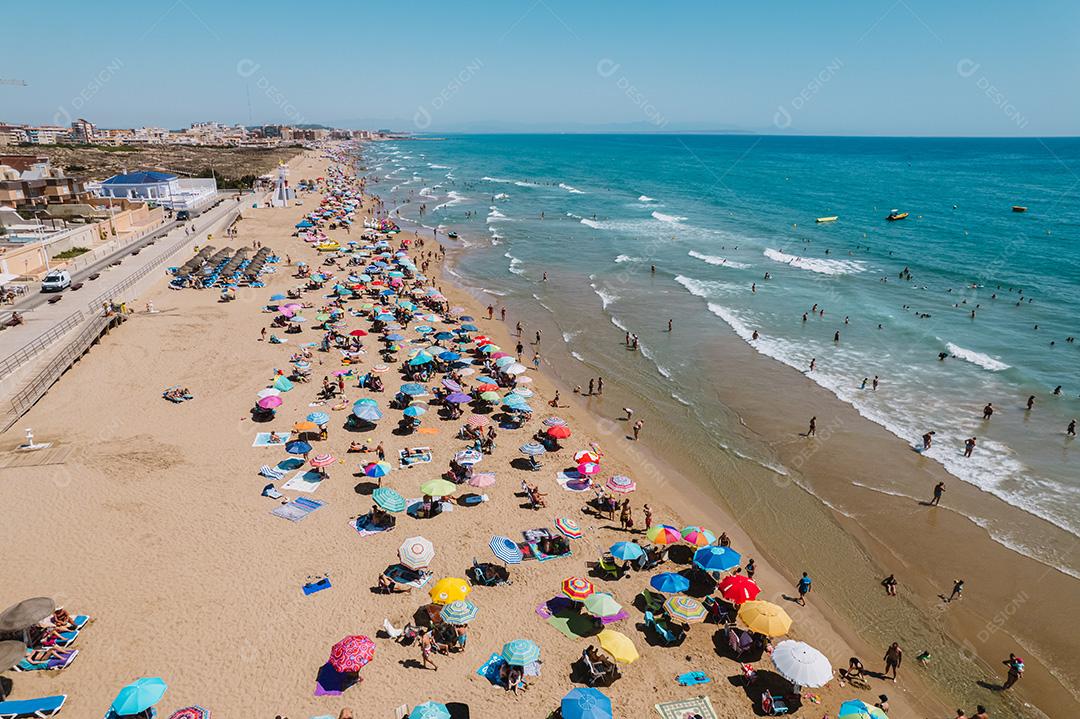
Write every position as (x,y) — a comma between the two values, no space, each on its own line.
(20,356)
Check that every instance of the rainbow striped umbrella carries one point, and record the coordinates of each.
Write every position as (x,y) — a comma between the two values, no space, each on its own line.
(621,484)
(322,460)
(663,534)
(698,537)
(577,588)
(686,609)
(378,469)
(568,528)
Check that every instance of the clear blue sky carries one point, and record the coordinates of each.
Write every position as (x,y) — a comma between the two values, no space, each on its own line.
(886,67)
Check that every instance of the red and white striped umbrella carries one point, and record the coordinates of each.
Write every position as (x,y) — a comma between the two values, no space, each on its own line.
(322,460)
(621,484)
(586,455)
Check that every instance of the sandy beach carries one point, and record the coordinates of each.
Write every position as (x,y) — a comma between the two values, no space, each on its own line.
(155,526)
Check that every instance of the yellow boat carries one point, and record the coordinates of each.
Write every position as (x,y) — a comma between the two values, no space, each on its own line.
(328,247)
(830,218)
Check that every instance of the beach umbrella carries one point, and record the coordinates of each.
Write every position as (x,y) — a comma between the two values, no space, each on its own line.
(139,696)
(801,664)
(585,703)
(12,652)
(26,613)
(451,385)
(602,604)
(669,583)
(380,368)
(413,389)
(765,618)
(366,401)
(587,469)
(568,528)
(560,432)
(586,455)
(858,709)
(505,549)
(297,447)
(367,412)
(352,653)
(577,588)
(621,484)
(458,398)
(322,460)
(449,356)
(358,333)
(626,551)
(477,421)
(523,392)
(532,449)
(421,358)
(685,609)
(459,612)
(305,427)
(394,337)
(438,488)
(450,589)
(282,383)
(377,469)
(618,645)
(482,479)
(414,411)
(514,369)
(738,588)
(663,534)
(467,318)
(716,559)
(192,712)
(388,499)
(554,422)
(468,456)
(504,360)
(318,417)
(430,710)
(268,392)
(520,652)
(470,328)
(271,402)
(698,537)
(490,397)
(416,552)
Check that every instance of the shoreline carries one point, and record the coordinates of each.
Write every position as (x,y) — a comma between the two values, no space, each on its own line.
(766,414)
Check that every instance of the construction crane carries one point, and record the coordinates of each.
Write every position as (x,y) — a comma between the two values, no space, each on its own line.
(6,81)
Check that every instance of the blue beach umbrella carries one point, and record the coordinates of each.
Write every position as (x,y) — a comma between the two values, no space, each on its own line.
(449,356)
(394,337)
(443,335)
(532,449)
(366,400)
(413,389)
(521,652)
(505,549)
(470,328)
(626,551)
(669,583)
(585,703)
(318,417)
(414,411)
(297,447)
(716,559)
(366,412)
(139,696)
(430,710)
(388,499)
(459,612)
(467,318)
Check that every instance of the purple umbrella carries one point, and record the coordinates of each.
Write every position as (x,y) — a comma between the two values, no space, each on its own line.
(458,398)
(451,385)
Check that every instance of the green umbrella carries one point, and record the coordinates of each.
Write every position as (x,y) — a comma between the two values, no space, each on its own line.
(388,499)
(602,604)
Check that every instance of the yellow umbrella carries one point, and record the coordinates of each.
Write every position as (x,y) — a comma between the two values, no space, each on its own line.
(305,427)
(450,589)
(438,488)
(618,645)
(765,618)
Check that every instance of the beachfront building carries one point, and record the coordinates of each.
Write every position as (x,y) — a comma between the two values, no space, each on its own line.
(28,182)
(160,188)
(83,131)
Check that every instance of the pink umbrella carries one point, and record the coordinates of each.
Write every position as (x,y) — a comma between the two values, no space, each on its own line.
(622,485)
(586,469)
(322,460)
(271,402)
(482,479)
(287,311)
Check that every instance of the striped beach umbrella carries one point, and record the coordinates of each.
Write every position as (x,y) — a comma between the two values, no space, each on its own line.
(577,588)
(449,589)
(459,612)
(602,604)
(716,559)
(318,417)
(477,421)
(322,460)
(685,609)
(554,422)
(413,389)
(505,549)
(738,588)
(532,449)
(388,499)
(377,469)
(430,710)
(367,412)
(192,712)
(585,703)
(568,528)
(352,653)
(586,455)
(416,552)
(663,534)
(621,484)
(520,652)
(698,536)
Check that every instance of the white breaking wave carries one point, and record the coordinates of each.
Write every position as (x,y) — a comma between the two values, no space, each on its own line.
(567,336)
(485,178)
(494,216)
(821,266)
(438,167)
(591,223)
(667,218)
(627,258)
(493,292)
(455,199)
(578,357)
(426,193)
(707,288)
(515,264)
(502,196)
(572,190)
(606,297)
(718,261)
(646,198)
(976,358)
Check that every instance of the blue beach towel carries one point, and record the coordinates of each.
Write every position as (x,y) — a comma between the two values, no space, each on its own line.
(490,669)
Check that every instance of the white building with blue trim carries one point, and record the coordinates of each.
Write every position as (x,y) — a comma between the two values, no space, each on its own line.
(161,188)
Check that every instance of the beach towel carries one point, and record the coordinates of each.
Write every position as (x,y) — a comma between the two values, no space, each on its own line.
(304,481)
(573,482)
(532,536)
(271,472)
(698,706)
(271,492)
(401,574)
(414,506)
(262,439)
(297,509)
(690,679)
(364,527)
(553,606)
(527,551)
(25,665)
(574,625)
(541,557)
(318,586)
(417,455)
(490,669)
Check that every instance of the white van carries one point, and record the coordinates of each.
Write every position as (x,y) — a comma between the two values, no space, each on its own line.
(56,281)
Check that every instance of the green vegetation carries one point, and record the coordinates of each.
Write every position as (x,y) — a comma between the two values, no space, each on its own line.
(69,254)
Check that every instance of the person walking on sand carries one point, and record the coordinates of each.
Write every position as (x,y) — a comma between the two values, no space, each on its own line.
(647,511)
(490,311)
(637,428)
(537,337)
(804,585)
(812,429)
(939,489)
(427,648)
(969,446)
(536,360)
(894,656)
(629,413)
(957,590)
(517,328)
(502,314)
(1016,670)
(890,583)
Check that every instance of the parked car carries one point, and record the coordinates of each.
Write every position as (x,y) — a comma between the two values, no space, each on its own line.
(56,281)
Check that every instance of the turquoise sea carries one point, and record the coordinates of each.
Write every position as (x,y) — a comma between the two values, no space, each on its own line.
(714,214)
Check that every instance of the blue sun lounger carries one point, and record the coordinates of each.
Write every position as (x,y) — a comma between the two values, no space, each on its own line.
(43,707)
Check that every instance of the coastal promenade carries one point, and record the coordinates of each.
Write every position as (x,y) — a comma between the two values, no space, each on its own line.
(53,335)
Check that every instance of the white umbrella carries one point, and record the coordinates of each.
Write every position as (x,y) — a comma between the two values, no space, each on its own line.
(514,369)
(268,392)
(416,552)
(801,664)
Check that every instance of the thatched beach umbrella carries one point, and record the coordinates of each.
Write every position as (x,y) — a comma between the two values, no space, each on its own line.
(11,652)
(26,613)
